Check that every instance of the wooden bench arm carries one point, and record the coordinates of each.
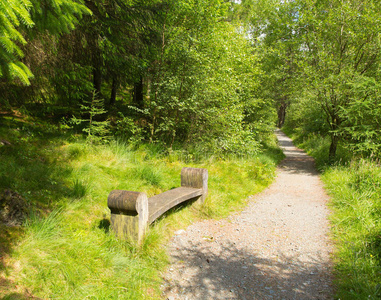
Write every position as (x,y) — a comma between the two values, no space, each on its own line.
(195,178)
(129,213)
(126,202)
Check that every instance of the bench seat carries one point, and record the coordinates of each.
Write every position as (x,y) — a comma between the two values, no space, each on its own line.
(159,204)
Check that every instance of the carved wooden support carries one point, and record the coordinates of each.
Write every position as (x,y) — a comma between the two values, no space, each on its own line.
(195,178)
(129,214)
(132,212)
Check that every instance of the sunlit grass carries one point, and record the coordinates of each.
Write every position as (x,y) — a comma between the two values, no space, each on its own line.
(356,205)
(60,258)
(66,250)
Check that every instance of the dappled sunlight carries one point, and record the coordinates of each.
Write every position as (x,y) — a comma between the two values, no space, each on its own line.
(296,161)
(229,273)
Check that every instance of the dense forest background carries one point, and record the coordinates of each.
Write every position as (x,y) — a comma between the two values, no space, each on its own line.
(169,72)
(216,74)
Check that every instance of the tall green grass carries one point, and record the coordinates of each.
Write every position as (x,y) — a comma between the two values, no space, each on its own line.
(355,189)
(66,249)
(64,257)
(356,228)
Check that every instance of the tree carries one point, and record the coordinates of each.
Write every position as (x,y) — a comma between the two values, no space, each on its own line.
(276,37)
(17,17)
(323,50)
(341,48)
(57,16)
(118,37)
(204,80)
(13,14)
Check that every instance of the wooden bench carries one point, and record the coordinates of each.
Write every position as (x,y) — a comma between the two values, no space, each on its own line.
(132,212)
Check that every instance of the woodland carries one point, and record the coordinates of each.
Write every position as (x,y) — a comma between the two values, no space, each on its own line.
(209,73)
(95,91)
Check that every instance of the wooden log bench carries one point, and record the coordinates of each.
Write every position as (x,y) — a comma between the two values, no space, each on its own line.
(132,212)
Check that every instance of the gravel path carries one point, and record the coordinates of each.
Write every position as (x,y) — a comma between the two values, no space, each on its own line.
(277,248)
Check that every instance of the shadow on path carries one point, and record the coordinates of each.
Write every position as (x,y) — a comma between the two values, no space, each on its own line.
(296,161)
(228,274)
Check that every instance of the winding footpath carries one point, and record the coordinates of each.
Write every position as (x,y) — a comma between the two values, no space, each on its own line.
(277,248)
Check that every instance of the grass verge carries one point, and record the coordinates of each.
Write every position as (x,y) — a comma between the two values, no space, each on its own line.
(65,249)
(355,192)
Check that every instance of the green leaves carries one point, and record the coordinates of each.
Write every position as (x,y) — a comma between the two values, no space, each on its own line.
(13,13)
(18,16)
(179,72)
(97,129)
(58,16)
(362,128)
(317,56)
(345,50)
(207,72)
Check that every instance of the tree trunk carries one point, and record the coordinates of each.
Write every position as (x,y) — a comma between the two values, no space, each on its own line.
(333,147)
(282,114)
(96,62)
(97,80)
(138,94)
(114,88)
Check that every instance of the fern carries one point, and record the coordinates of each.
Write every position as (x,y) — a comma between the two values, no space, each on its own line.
(19,70)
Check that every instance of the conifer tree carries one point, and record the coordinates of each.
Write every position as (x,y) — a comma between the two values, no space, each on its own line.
(57,16)
(18,16)
(13,13)
(96,129)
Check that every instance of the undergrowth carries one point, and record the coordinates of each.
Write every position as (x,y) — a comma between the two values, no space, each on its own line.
(65,249)
(354,185)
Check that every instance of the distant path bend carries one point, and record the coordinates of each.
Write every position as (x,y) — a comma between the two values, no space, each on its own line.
(277,248)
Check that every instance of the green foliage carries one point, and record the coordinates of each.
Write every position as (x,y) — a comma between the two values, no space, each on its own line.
(342,48)
(321,62)
(17,16)
(356,204)
(305,116)
(128,130)
(57,16)
(363,118)
(190,75)
(97,131)
(13,13)
(276,36)
(203,89)
(71,84)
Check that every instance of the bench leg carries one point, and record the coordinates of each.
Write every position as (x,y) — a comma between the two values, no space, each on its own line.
(129,224)
(195,178)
